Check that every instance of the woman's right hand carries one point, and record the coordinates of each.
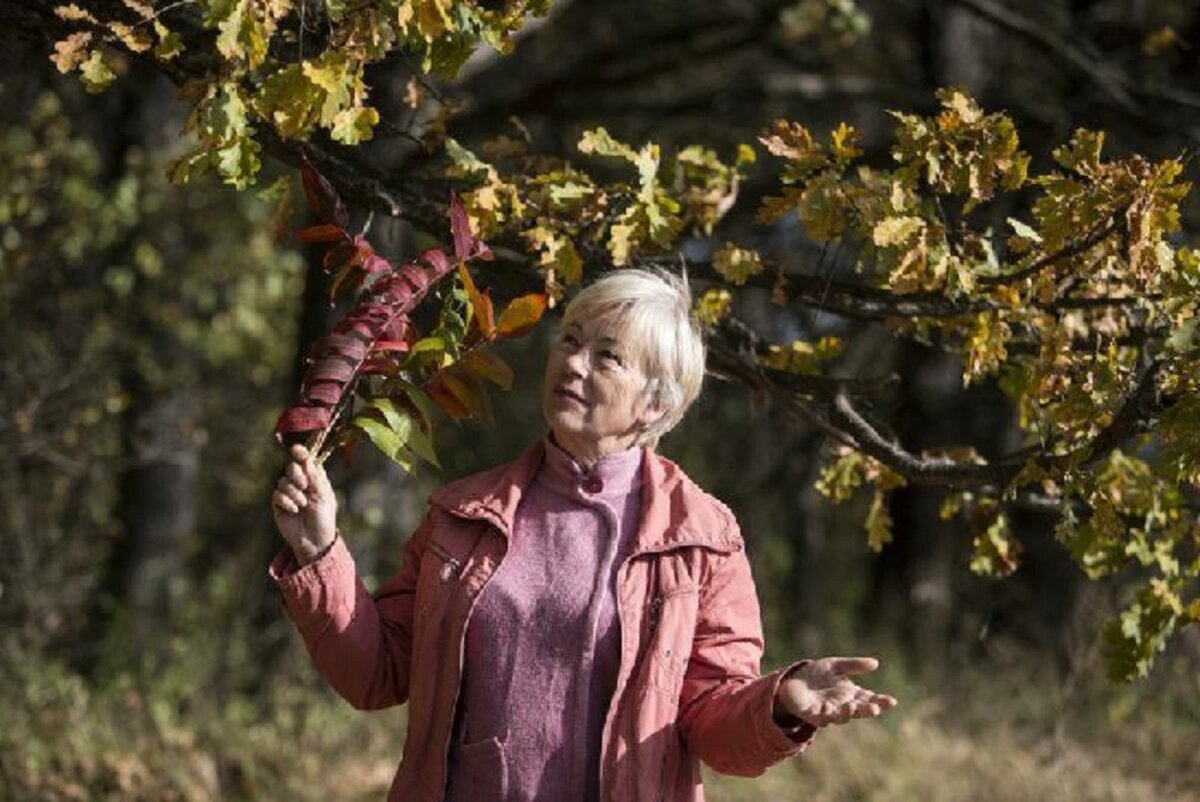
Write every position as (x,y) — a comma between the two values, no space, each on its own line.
(305,506)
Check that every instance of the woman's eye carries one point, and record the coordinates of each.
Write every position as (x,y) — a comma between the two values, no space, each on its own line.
(610,356)
(570,339)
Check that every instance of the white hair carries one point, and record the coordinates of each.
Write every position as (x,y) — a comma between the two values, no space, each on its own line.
(652,309)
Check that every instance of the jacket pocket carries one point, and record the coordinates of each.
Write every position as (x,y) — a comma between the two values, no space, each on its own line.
(670,627)
(437,578)
(478,771)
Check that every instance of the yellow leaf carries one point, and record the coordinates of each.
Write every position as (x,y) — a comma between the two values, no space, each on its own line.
(791,141)
(713,306)
(489,366)
(621,241)
(69,53)
(964,107)
(736,264)
(891,232)
(481,305)
(520,316)
(73,13)
(1158,41)
(143,8)
(414,93)
(136,39)
(845,143)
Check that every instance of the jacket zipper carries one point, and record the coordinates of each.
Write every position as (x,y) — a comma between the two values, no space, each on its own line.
(612,708)
(656,605)
(451,565)
(462,646)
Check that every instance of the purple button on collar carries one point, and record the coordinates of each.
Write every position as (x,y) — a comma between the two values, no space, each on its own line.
(593,484)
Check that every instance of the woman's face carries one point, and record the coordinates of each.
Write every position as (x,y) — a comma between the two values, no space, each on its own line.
(593,396)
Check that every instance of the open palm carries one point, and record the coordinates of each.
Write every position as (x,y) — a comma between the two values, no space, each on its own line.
(821,691)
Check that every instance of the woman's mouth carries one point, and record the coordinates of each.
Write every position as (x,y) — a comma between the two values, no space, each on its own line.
(564,392)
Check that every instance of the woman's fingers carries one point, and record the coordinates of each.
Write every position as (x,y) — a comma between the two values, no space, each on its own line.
(286,488)
(284,504)
(853,666)
(295,472)
(316,481)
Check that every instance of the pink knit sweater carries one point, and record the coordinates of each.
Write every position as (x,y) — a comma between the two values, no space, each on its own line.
(543,643)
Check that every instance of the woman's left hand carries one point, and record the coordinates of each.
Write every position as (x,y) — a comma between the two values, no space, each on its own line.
(820,692)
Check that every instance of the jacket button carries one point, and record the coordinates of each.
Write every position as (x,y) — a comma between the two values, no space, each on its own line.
(593,485)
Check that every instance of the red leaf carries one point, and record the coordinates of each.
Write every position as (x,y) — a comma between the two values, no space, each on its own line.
(322,198)
(351,347)
(302,419)
(327,393)
(399,346)
(357,326)
(398,329)
(522,315)
(325,232)
(330,368)
(376,264)
(460,228)
(381,366)
(438,260)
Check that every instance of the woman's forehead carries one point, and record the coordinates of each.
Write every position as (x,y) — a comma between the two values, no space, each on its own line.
(613,327)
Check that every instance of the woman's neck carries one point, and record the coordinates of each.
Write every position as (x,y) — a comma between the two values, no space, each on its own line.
(588,453)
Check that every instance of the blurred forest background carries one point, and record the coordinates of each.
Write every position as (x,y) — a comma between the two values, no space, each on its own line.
(152,333)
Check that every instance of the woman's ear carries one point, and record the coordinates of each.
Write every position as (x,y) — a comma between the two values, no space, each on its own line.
(654,409)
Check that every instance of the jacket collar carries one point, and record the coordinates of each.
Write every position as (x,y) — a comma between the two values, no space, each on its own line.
(675,512)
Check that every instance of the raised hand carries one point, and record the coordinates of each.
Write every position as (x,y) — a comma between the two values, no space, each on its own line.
(821,693)
(305,506)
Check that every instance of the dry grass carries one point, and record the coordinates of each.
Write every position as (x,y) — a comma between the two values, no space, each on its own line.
(918,757)
(983,741)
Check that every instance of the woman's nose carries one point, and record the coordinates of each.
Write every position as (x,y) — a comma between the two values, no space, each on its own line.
(576,363)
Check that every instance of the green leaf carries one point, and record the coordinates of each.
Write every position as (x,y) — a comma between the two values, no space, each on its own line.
(995,552)
(420,400)
(397,419)
(170,43)
(879,522)
(600,142)
(96,73)
(290,101)
(468,163)
(386,439)
(355,125)
(238,163)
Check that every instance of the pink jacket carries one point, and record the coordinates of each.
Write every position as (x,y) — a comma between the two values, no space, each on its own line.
(688,687)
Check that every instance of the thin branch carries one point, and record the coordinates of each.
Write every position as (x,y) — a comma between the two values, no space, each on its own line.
(1134,417)
(927,470)
(1106,78)
(1074,249)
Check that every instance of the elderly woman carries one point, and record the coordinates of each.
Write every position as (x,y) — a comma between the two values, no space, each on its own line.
(581,623)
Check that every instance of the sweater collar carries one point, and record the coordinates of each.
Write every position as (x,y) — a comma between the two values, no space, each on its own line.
(613,476)
(674,511)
